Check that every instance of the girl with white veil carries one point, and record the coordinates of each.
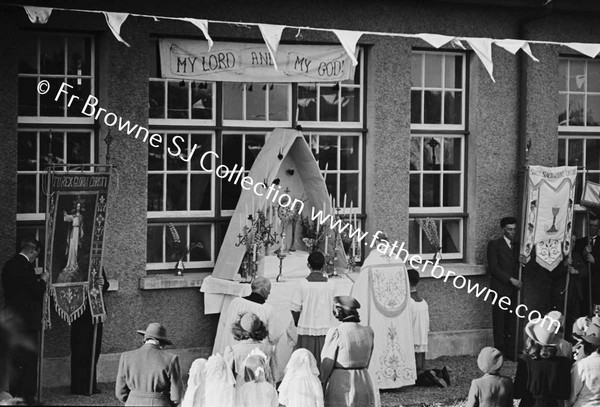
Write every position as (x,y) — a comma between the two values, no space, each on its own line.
(301,386)
(194,395)
(219,389)
(256,390)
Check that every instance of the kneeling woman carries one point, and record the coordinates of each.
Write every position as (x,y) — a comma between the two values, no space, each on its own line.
(345,358)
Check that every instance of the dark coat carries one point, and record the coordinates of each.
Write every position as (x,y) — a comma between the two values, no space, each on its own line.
(23,293)
(503,264)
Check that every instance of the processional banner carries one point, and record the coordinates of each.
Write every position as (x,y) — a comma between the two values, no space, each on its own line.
(591,195)
(549,213)
(75,225)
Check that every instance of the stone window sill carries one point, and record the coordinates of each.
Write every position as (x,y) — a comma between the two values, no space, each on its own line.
(171,282)
(460,269)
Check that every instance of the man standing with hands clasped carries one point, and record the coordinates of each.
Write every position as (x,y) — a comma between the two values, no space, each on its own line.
(24,293)
(503,268)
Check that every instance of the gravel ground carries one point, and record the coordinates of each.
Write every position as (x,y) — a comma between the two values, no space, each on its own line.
(464,369)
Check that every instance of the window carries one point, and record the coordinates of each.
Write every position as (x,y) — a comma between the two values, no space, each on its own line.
(200,205)
(437,151)
(579,94)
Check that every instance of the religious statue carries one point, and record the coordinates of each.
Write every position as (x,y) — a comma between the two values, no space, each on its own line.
(74,236)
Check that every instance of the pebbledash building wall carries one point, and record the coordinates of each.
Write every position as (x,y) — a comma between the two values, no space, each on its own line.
(419,132)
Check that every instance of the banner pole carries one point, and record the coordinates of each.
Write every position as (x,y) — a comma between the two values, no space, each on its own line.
(591,306)
(40,364)
(92,367)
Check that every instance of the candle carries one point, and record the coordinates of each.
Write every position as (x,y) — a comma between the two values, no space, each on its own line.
(318,227)
(333,204)
(325,173)
(355,222)
(326,243)
(252,205)
(254,253)
(246,218)
(353,248)
(344,207)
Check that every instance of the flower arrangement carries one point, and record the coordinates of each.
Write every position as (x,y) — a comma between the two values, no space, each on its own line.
(180,250)
(312,234)
(429,226)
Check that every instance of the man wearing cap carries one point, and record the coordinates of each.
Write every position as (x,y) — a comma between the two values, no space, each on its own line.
(345,358)
(585,375)
(150,375)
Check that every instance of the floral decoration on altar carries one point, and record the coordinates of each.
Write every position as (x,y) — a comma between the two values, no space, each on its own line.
(312,233)
(258,237)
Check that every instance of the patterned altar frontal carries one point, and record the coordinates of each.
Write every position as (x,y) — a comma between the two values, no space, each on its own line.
(549,213)
(75,225)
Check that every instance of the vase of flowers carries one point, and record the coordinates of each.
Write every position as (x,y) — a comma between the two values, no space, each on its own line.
(180,249)
(430,229)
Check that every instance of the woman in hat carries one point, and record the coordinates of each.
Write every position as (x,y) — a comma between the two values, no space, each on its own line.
(249,332)
(585,375)
(150,376)
(542,378)
(491,389)
(345,359)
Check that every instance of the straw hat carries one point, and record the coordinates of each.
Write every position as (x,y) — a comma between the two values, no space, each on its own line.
(156,331)
(346,302)
(490,360)
(542,333)
(592,334)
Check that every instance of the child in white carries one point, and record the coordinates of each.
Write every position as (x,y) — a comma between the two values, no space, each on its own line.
(419,311)
(194,395)
(219,390)
(256,391)
(301,386)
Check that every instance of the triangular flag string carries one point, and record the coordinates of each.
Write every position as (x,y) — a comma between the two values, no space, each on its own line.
(349,39)
(435,40)
(203,26)
(272,35)
(38,15)
(513,46)
(483,49)
(590,50)
(114,21)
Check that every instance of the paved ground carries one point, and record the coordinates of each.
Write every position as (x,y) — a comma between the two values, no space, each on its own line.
(464,369)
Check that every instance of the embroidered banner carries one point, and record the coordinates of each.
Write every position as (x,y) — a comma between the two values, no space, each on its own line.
(549,213)
(75,224)
(239,62)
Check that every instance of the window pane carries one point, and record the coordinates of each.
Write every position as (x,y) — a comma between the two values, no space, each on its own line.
(232,101)
(452,107)
(78,148)
(451,236)
(203,143)
(576,76)
(561,152)
(180,140)
(575,152)
(201,234)
(81,88)
(576,110)
(453,75)
(153,59)
(307,103)
(255,102)
(201,191)
(415,190)
(177,100)
(355,80)
(57,142)
(433,70)
(26,193)
(413,236)
(155,192)
(331,182)
(27,52)
(232,150)
(593,76)
(433,107)
(562,74)
(329,104)
(254,143)
(593,110)
(28,97)
(177,192)
(562,110)
(27,151)
(154,244)
(592,152)
(202,95)
(415,153)
(452,189)
(156,103)
(415,106)
(80,51)
(431,190)
(432,153)
(426,246)
(328,152)
(416,75)
(52,48)
(350,104)
(452,152)
(278,102)
(48,106)
(230,194)
(349,188)
(349,154)
(156,157)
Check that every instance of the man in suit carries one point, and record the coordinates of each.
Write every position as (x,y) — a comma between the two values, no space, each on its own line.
(24,293)
(503,268)
(589,249)
(150,376)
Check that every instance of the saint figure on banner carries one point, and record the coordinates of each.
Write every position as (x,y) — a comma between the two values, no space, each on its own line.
(74,236)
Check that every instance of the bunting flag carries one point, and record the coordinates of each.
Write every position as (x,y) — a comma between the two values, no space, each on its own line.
(272,35)
(349,39)
(75,224)
(591,50)
(549,213)
(456,43)
(435,40)
(483,49)
(591,195)
(513,46)
(202,25)
(114,21)
(38,15)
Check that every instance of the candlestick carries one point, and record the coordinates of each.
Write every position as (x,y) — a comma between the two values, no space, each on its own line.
(326,243)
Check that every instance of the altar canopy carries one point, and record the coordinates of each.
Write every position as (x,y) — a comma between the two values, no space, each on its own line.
(549,213)
(284,150)
(383,290)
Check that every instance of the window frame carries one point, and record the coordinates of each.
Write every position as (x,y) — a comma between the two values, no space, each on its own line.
(584,128)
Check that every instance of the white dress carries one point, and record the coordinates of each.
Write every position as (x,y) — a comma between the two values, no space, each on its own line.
(420,323)
(253,394)
(383,291)
(301,386)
